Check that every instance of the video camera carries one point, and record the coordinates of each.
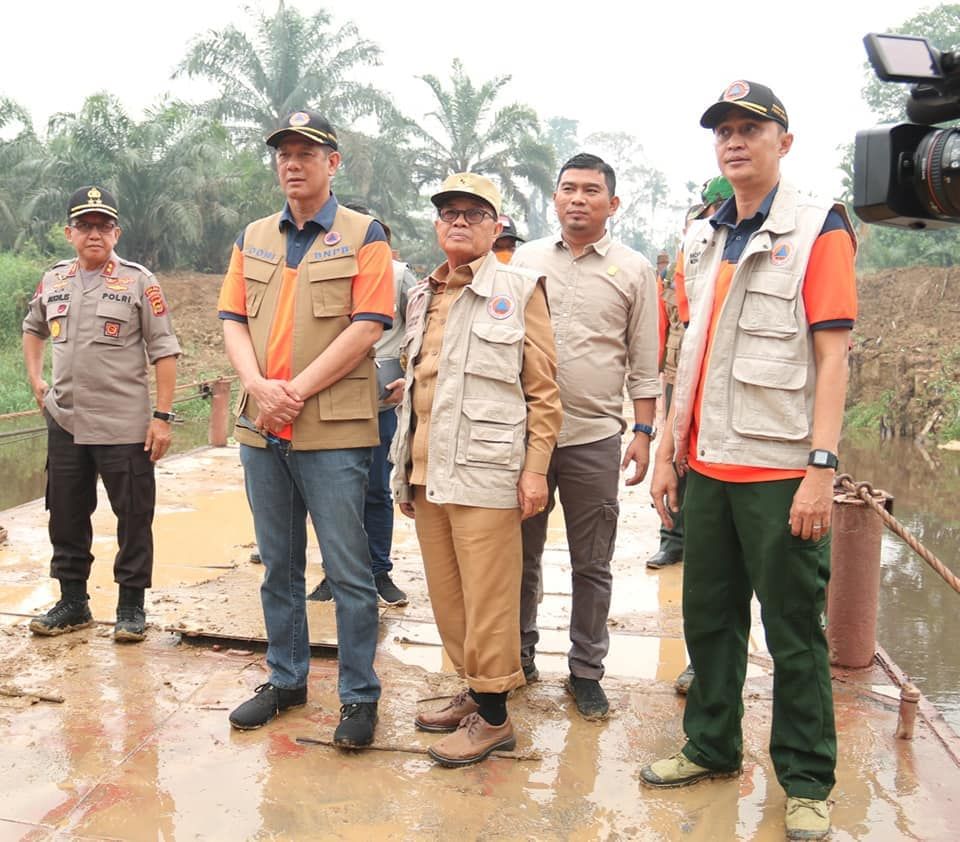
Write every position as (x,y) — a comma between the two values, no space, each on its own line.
(908,174)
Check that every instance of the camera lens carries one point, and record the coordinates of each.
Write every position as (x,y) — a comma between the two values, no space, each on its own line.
(937,172)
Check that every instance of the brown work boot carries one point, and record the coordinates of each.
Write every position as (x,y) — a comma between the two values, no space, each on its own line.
(473,741)
(447,718)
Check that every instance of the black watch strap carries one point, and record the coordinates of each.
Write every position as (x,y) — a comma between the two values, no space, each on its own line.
(164,416)
(823,459)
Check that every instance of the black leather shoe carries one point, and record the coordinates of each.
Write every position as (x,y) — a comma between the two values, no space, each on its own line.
(662,558)
(131,624)
(589,696)
(321,593)
(266,705)
(357,722)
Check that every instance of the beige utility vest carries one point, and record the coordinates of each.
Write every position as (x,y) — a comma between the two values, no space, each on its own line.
(759,383)
(345,413)
(675,330)
(478,421)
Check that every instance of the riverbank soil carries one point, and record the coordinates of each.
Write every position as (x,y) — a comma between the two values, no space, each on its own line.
(906,348)
(108,741)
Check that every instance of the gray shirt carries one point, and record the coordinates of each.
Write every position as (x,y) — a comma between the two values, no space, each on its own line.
(603,306)
(103,334)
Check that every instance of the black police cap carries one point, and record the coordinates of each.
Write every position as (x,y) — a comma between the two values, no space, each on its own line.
(92,199)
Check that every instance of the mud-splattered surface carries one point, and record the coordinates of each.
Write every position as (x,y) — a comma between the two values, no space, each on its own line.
(140,746)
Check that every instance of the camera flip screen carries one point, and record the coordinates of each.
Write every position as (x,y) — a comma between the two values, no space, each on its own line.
(902,58)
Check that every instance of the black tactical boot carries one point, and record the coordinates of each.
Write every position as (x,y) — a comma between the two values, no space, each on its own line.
(71,613)
(131,618)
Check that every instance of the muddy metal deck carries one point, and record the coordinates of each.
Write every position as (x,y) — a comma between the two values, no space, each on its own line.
(132,742)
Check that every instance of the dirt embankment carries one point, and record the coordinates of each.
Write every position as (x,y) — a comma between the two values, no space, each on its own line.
(192,298)
(906,354)
(906,350)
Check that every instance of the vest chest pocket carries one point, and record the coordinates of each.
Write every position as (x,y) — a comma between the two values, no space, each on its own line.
(769,306)
(491,434)
(331,286)
(257,273)
(768,399)
(494,351)
(113,322)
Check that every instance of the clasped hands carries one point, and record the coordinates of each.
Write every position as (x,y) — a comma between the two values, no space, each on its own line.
(278,403)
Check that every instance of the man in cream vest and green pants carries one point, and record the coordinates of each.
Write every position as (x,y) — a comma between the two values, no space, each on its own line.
(754,425)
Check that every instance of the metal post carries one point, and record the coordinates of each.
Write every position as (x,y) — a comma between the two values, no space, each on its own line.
(853,595)
(907,715)
(219,413)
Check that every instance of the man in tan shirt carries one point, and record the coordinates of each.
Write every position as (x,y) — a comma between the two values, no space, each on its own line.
(603,305)
(478,421)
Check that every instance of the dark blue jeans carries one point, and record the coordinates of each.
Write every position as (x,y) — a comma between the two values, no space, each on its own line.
(378,514)
(283,487)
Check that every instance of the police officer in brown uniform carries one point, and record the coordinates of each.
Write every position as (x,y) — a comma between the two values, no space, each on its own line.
(479,418)
(106,317)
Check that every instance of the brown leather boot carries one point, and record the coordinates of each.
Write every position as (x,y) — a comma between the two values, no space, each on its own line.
(473,741)
(447,718)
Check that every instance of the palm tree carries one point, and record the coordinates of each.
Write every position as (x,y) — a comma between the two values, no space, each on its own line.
(170,174)
(291,62)
(13,182)
(474,138)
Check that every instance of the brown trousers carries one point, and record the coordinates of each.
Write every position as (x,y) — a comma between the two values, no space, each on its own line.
(472,557)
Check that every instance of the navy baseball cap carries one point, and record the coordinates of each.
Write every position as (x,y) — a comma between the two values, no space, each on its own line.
(752,97)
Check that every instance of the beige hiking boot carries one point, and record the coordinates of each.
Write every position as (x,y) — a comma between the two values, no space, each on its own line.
(448,717)
(473,741)
(807,818)
(678,771)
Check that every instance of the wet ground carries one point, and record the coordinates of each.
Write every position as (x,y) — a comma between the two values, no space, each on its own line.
(107,741)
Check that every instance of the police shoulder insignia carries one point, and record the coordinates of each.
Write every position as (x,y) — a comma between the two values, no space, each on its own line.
(155,297)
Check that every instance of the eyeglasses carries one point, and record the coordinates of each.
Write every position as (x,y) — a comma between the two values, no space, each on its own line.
(86,227)
(474,216)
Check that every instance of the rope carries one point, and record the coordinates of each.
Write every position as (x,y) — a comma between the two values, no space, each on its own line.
(873,498)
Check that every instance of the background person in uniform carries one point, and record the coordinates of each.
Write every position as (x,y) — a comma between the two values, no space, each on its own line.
(105,317)
(307,294)
(506,244)
(603,305)
(757,411)
(478,419)
(378,509)
(713,194)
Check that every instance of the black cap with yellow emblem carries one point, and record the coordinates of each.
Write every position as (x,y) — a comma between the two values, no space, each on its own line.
(752,97)
(92,200)
(307,124)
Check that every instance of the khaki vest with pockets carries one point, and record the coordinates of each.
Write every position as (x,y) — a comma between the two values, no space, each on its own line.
(758,388)
(345,413)
(478,420)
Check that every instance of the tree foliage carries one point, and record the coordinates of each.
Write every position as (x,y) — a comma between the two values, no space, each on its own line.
(473,134)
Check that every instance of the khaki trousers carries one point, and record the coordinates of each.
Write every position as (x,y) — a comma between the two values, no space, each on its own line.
(473,561)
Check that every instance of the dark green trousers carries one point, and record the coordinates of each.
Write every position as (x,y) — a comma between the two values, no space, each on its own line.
(738,542)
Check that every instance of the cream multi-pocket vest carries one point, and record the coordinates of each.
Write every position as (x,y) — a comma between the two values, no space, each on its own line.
(758,388)
(345,413)
(478,420)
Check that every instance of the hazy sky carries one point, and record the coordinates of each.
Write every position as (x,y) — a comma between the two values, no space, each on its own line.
(649,69)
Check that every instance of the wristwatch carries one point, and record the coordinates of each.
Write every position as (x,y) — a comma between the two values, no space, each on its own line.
(645,428)
(169,417)
(823,459)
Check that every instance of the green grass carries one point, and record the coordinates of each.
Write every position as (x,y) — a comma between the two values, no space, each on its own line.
(866,416)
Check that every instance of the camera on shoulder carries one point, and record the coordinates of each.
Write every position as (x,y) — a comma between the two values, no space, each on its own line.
(908,174)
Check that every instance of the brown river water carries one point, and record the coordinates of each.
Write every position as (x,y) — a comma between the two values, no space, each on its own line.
(919,623)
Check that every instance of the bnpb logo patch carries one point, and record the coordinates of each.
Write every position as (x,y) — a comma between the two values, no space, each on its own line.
(736,90)
(501,306)
(781,254)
